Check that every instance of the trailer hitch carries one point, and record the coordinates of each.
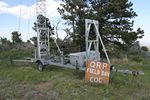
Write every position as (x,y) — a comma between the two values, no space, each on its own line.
(126,71)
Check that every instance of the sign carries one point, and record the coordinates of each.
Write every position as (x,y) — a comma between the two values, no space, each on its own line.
(97,72)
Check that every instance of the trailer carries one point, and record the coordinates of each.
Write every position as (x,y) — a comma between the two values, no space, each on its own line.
(77,60)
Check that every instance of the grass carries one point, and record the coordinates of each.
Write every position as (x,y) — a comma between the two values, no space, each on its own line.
(24,81)
(15,54)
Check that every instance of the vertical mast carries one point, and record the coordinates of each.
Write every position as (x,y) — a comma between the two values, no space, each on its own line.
(41,9)
(42,30)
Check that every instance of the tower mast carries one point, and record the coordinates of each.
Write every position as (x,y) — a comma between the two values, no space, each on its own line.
(42,30)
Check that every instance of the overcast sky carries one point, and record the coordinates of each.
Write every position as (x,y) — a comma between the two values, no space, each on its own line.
(10,15)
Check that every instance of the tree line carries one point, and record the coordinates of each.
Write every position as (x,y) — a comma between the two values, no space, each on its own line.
(16,38)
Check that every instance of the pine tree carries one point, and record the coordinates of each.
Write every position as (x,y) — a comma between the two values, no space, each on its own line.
(41,21)
(16,37)
(115,20)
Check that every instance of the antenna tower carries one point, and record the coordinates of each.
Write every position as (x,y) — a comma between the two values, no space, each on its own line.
(42,30)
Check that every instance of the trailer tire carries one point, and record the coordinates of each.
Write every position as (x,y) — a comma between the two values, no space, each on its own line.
(40,66)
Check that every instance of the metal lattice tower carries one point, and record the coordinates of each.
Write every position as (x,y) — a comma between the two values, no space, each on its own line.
(42,30)
(41,9)
(88,23)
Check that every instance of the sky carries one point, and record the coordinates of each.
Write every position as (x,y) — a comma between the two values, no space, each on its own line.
(11,19)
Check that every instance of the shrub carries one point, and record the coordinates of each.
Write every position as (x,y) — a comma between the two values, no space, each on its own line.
(144,48)
(137,58)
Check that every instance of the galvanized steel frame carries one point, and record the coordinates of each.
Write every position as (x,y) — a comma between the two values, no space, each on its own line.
(88,23)
(42,31)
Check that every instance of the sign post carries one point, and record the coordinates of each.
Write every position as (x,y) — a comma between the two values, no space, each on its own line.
(97,72)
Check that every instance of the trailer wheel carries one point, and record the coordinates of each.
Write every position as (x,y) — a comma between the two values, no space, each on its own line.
(40,66)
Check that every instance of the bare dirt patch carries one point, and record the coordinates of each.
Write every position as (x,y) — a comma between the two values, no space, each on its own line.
(44,85)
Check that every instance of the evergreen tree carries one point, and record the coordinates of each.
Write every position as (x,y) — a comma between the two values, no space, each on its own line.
(4,41)
(40,23)
(16,37)
(34,40)
(114,16)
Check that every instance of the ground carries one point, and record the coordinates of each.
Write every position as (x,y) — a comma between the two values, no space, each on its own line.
(22,81)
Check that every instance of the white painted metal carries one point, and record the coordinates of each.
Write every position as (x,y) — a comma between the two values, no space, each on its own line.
(42,31)
(41,7)
(55,40)
(97,31)
(43,42)
(88,42)
(78,59)
(67,66)
(88,23)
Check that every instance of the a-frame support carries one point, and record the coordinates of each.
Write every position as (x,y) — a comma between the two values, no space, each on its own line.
(96,42)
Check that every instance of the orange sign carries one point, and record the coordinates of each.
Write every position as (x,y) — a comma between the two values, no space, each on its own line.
(97,72)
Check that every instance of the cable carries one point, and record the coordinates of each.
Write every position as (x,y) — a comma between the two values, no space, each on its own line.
(34,12)
(28,26)
(19,16)
(29,19)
